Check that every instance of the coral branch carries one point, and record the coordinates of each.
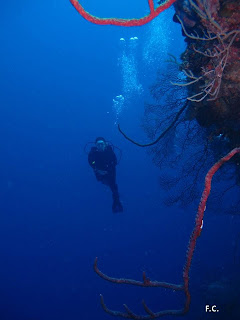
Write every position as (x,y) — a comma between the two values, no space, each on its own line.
(161,135)
(130,315)
(145,283)
(191,247)
(123,22)
(202,206)
(220,38)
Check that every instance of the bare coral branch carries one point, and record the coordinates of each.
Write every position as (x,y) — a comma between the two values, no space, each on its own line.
(186,269)
(218,54)
(145,283)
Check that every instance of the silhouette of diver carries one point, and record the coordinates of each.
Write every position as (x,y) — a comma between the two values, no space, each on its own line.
(103,161)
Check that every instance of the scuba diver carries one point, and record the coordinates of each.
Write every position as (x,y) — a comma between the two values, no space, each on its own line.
(103,161)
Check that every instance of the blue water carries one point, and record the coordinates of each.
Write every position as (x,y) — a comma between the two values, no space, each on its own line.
(59,75)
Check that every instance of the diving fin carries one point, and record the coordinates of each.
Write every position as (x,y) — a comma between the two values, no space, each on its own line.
(117,206)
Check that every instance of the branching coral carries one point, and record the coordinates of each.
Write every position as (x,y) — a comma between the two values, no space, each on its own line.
(211,62)
(220,51)
(154,12)
(129,314)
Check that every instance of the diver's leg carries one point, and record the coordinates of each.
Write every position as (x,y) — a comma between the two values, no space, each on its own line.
(115,193)
(116,206)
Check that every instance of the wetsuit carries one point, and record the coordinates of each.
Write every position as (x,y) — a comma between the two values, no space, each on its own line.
(104,166)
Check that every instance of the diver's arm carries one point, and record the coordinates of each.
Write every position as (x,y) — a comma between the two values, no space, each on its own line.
(91,160)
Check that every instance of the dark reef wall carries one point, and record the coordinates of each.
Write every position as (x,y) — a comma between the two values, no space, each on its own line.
(208,77)
(211,63)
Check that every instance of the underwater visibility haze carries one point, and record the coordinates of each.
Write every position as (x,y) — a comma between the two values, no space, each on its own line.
(160,82)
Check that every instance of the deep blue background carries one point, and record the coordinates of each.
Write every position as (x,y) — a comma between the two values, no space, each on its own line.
(58,76)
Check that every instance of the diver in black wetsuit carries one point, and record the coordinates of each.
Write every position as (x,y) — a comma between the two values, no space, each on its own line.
(103,161)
